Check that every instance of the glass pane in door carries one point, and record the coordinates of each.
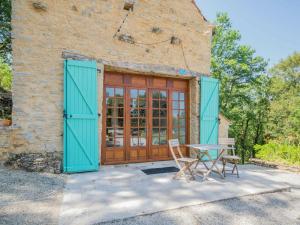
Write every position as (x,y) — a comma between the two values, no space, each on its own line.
(138,114)
(178,116)
(159,117)
(114,117)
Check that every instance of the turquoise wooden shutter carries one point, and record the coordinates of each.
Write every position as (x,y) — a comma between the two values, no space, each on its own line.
(80,116)
(209,112)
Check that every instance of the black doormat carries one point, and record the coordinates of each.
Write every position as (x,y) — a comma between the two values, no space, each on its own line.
(170,169)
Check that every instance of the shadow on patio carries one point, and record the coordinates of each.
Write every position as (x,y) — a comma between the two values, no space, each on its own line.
(117,192)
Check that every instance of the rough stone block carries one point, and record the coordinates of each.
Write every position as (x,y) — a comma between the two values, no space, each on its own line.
(129,4)
(175,40)
(40,5)
(35,162)
(126,38)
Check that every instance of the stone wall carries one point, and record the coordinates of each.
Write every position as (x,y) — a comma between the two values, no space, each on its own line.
(40,162)
(5,142)
(194,111)
(223,126)
(42,30)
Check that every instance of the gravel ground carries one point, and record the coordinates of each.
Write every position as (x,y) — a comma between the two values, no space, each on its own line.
(274,208)
(35,198)
(29,198)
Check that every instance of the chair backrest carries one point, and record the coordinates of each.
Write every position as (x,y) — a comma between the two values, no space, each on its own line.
(174,145)
(230,142)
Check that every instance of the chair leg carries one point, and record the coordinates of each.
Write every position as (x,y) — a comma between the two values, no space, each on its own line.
(191,172)
(237,171)
(234,167)
(180,172)
(186,168)
(224,165)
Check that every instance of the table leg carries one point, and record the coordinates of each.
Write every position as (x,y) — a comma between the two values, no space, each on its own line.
(208,169)
(197,163)
(201,155)
(214,164)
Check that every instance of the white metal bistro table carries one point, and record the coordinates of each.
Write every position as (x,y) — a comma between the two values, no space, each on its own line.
(203,150)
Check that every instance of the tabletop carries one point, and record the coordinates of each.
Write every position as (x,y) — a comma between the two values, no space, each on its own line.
(209,146)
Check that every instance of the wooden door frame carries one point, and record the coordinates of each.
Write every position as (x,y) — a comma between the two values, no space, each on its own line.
(149,88)
(127,119)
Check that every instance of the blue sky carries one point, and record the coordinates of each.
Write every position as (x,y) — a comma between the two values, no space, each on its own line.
(271,27)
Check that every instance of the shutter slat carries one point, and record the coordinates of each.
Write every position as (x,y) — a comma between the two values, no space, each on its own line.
(209,112)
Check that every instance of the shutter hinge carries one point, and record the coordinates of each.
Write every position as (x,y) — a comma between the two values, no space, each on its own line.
(99,70)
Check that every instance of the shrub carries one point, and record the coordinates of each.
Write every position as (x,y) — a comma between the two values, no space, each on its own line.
(276,152)
(5,76)
(5,93)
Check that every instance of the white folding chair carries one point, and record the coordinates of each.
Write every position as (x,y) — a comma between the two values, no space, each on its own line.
(184,163)
(229,158)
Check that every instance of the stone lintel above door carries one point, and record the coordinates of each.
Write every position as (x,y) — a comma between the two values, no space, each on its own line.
(139,68)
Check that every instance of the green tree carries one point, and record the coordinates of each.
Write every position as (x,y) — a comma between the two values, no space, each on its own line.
(284,115)
(5,87)
(5,76)
(244,85)
(5,30)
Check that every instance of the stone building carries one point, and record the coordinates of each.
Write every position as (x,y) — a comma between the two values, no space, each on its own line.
(224,124)
(148,57)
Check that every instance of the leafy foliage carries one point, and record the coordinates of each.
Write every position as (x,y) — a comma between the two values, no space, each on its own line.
(262,108)
(5,30)
(281,153)
(5,76)
(243,93)
(284,114)
(5,87)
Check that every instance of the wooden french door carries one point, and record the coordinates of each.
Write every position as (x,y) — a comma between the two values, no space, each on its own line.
(140,114)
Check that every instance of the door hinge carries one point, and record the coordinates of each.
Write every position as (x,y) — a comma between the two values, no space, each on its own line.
(66,115)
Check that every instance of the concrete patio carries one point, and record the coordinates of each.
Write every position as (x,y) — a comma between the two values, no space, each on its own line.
(117,192)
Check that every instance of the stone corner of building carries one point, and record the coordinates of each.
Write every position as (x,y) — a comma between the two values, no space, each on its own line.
(50,162)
